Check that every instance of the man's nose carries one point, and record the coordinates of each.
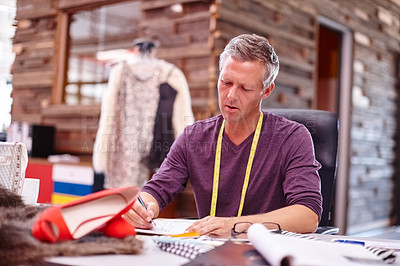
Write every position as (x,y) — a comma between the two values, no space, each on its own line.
(233,91)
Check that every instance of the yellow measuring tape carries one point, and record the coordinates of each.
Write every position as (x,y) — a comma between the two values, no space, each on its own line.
(248,168)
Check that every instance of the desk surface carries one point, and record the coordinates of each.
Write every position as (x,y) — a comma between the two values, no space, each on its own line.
(152,255)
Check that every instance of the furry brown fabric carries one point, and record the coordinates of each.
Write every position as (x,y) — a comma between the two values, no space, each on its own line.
(19,247)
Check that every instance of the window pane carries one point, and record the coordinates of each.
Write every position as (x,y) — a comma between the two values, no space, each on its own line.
(98,38)
(7,30)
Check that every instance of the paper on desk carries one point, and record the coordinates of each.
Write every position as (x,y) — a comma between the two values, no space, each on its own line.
(168,227)
(280,250)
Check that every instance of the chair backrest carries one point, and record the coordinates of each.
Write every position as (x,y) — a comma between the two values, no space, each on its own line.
(13,163)
(324,129)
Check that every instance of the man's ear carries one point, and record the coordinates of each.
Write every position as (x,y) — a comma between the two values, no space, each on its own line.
(268,91)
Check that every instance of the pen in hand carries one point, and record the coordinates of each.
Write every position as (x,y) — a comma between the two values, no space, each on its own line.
(144,206)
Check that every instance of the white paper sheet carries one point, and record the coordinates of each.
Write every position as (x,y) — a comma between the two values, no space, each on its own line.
(285,250)
(168,227)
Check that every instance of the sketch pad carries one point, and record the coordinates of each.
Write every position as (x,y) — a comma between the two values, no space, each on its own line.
(168,227)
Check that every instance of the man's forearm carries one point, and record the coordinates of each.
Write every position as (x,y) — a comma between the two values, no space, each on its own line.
(295,218)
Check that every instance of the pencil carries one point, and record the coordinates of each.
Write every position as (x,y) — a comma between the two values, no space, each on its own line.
(144,206)
(189,234)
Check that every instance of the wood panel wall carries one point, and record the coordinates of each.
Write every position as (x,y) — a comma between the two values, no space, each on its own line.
(33,71)
(376,31)
(291,32)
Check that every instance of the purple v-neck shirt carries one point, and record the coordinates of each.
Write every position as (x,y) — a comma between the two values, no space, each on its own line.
(284,171)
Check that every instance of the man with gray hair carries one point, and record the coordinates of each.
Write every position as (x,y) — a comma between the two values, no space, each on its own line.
(245,165)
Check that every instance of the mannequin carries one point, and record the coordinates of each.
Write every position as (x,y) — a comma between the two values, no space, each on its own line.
(146,106)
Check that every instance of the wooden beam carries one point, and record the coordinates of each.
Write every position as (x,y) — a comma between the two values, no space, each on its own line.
(192,50)
(60,62)
(35,14)
(301,65)
(76,5)
(33,78)
(62,110)
(243,20)
(147,5)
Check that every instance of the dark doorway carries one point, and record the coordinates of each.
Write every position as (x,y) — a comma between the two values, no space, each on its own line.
(329,46)
(334,94)
(328,85)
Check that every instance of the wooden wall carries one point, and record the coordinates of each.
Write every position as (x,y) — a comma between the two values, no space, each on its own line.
(33,71)
(376,31)
(291,32)
(193,42)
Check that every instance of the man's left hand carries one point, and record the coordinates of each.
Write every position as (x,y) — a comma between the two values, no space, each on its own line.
(218,227)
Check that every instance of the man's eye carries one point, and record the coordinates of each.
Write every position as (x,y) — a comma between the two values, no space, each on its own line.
(243,88)
(226,82)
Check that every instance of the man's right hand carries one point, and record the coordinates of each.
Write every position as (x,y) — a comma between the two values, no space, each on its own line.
(138,216)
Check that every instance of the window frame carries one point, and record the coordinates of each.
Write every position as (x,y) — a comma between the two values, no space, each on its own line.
(66,8)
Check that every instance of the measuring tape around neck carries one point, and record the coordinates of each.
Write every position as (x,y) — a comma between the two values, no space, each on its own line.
(248,168)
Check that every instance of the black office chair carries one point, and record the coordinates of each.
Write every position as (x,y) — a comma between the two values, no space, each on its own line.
(324,129)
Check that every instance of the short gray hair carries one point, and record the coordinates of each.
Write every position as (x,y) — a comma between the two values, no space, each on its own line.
(252,47)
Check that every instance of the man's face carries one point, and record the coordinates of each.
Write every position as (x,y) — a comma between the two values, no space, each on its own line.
(240,89)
